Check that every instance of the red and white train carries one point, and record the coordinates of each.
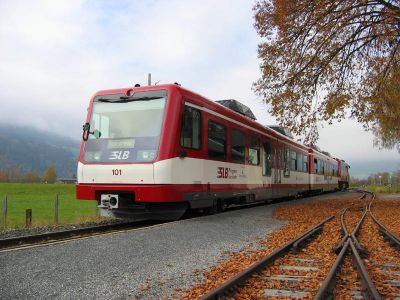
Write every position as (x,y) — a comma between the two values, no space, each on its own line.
(161,150)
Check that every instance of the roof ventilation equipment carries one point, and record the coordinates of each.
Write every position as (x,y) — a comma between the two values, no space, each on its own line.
(282,130)
(315,147)
(326,153)
(237,107)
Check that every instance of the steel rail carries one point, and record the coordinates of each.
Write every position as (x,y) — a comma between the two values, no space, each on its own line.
(355,233)
(343,229)
(261,264)
(369,290)
(44,238)
(326,289)
(390,236)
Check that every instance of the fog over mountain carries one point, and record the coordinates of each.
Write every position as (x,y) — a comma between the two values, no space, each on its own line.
(31,149)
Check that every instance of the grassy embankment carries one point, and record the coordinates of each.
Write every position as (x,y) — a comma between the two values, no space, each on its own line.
(379,188)
(40,198)
(383,189)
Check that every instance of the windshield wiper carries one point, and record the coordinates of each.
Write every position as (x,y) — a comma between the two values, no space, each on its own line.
(125,99)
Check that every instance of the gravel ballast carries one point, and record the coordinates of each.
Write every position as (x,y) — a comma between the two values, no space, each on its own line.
(145,263)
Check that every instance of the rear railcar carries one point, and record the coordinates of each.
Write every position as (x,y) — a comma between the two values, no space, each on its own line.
(324,173)
(344,176)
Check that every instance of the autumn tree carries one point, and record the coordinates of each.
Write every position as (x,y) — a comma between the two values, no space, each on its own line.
(50,175)
(331,59)
(3,176)
(31,176)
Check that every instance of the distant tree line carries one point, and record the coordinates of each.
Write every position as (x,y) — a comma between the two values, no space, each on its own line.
(18,175)
(380,178)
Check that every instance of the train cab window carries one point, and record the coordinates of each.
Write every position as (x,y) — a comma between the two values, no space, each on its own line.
(267,159)
(238,146)
(293,161)
(191,128)
(305,163)
(286,172)
(216,140)
(254,151)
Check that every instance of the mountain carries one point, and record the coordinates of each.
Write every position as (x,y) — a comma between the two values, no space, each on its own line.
(34,150)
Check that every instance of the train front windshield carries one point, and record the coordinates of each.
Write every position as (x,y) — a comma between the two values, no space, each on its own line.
(125,129)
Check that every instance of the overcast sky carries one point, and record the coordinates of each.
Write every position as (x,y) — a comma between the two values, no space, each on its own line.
(56,54)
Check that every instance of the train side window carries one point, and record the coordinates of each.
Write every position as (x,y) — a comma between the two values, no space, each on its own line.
(299,162)
(305,163)
(267,159)
(238,146)
(286,172)
(254,151)
(293,161)
(216,140)
(316,166)
(191,128)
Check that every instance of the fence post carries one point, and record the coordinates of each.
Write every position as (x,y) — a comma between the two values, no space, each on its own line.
(28,218)
(56,209)
(4,219)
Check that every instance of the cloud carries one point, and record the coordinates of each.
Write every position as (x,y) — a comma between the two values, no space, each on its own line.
(350,142)
(56,54)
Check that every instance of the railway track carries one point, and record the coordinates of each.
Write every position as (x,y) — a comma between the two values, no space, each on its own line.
(65,235)
(7,244)
(295,270)
(14,243)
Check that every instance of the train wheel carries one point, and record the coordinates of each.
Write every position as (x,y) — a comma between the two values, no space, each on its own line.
(218,206)
(221,205)
(214,208)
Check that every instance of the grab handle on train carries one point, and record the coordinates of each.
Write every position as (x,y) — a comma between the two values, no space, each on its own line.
(182,153)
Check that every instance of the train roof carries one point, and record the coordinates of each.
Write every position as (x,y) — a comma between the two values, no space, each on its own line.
(241,116)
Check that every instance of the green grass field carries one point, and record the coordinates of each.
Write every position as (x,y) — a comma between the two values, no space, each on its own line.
(40,198)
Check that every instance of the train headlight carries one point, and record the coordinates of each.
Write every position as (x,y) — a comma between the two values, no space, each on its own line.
(148,155)
(92,155)
(109,201)
(113,201)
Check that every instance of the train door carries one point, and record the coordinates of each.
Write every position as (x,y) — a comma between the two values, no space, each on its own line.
(327,178)
(191,141)
(280,164)
(277,173)
(267,168)
(276,166)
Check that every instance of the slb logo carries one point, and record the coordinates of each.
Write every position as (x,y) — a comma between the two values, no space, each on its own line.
(222,172)
(119,155)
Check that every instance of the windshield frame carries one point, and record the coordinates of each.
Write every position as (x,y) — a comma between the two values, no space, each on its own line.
(122,98)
